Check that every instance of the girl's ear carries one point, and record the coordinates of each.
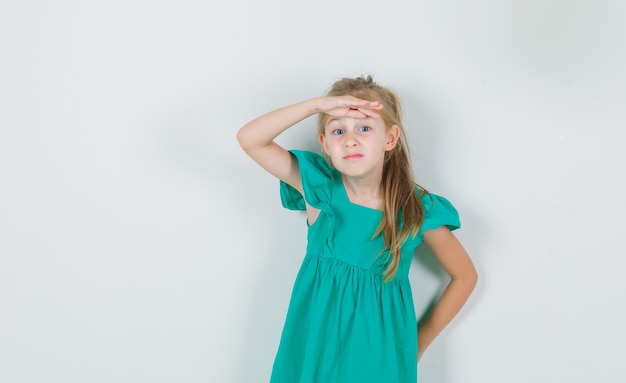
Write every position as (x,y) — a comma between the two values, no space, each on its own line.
(393,134)
(322,139)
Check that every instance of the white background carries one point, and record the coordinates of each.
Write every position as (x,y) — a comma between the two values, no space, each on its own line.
(139,244)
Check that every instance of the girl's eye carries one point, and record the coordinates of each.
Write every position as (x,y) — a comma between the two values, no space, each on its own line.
(337,132)
(365,129)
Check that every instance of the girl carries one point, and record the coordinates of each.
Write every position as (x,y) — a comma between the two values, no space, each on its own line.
(351,315)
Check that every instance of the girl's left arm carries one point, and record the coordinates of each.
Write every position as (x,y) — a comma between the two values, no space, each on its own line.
(459,266)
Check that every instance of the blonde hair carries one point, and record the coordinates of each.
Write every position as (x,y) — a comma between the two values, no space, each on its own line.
(403,211)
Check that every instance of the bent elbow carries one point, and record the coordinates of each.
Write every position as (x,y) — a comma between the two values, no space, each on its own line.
(243,140)
(468,279)
(240,137)
(472,279)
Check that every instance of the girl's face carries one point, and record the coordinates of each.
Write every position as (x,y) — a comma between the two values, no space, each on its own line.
(357,146)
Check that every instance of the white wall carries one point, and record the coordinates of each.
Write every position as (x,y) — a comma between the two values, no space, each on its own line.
(139,244)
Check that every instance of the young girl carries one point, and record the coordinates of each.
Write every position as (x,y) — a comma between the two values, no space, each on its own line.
(351,316)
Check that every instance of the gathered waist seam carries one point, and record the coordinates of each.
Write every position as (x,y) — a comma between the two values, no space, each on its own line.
(351,265)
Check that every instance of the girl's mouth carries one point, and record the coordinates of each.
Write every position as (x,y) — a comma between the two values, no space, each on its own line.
(353,156)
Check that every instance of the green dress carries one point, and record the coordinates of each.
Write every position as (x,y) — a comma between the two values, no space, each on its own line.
(344,323)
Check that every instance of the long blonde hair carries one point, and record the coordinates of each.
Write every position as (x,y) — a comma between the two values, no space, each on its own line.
(403,211)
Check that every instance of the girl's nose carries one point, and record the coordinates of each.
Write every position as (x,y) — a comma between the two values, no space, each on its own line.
(350,140)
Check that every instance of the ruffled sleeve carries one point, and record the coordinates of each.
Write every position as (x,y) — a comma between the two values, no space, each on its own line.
(316,180)
(439,212)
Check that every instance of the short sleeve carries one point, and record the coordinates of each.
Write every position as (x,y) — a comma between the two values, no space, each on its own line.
(439,212)
(316,180)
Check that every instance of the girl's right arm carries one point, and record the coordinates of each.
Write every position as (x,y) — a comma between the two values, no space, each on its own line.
(257,137)
(257,140)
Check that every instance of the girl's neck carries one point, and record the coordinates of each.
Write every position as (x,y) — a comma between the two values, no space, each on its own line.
(364,190)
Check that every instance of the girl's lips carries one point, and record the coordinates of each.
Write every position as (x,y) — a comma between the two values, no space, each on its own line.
(352,156)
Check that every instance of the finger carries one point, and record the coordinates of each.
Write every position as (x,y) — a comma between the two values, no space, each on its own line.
(365,104)
(355,113)
(352,102)
(360,113)
(365,107)
(370,112)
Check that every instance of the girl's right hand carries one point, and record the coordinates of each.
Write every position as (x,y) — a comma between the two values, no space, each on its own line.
(349,106)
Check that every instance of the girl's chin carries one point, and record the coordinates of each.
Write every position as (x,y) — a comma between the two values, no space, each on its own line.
(351,171)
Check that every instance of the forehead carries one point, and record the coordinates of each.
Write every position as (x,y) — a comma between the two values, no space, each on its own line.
(353,121)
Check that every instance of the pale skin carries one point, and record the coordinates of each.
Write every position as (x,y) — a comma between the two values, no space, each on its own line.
(356,138)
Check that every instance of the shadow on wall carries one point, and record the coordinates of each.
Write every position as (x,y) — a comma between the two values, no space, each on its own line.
(272,288)
(428,281)
(196,148)
(267,292)
(425,261)
(214,157)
